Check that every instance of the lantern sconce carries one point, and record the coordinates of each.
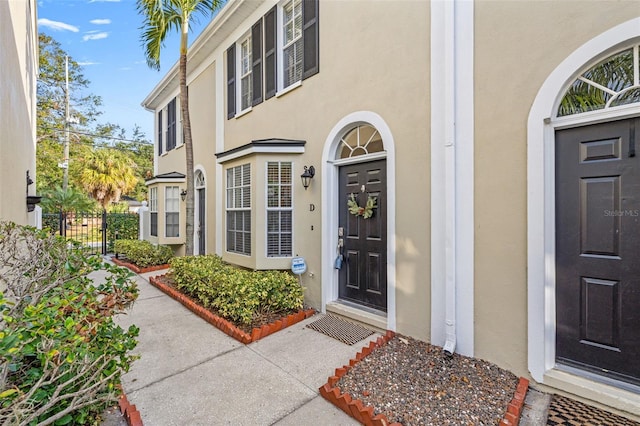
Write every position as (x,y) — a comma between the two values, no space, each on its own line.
(183,194)
(307,175)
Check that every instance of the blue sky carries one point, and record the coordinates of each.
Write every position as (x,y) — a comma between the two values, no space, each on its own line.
(104,37)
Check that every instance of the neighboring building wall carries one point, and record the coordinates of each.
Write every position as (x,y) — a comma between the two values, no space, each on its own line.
(18,68)
(504,92)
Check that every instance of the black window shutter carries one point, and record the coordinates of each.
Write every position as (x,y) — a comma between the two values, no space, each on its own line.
(270,54)
(256,52)
(310,38)
(160,132)
(231,81)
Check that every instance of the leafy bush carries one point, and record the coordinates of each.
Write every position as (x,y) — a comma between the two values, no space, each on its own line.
(237,294)
(61,354)
(143,253)
(125,224)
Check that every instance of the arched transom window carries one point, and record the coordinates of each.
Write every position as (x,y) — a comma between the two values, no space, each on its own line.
(199,179)
(360,140)
(611,83)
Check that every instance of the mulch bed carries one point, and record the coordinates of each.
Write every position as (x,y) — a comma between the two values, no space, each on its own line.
(400,380)
(262,326)
(137,269)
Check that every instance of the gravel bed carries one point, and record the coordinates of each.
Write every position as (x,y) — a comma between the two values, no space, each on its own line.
(415,383)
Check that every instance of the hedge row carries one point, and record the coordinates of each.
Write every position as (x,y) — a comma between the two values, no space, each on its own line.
(143,253)
(237,294)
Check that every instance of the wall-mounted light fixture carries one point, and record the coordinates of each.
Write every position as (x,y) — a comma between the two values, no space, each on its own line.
(183,194)
(309,173)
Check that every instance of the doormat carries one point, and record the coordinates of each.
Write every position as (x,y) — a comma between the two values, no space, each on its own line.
(339,329)
(566,411)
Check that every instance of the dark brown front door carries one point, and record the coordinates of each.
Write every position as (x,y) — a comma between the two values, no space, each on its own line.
(363,277)
(598,249)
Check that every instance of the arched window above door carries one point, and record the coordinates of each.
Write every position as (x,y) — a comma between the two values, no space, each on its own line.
(199,179)
(361,140)
(613,82)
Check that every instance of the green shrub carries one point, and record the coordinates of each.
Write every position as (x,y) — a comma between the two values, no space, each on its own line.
(125,224)
(61,353)
(197,276)
(237,294)
(143,253)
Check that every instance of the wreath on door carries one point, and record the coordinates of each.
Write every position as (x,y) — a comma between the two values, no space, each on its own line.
(366,211)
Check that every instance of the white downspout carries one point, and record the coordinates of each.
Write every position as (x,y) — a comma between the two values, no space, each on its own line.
(450,176)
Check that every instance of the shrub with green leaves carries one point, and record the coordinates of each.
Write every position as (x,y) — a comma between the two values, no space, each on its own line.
(143,253)
(61,353)
(237,294)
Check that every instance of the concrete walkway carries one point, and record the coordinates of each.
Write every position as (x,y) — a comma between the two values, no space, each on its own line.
(190,373)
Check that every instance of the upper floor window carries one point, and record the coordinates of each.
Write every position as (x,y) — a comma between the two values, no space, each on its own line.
(611,83)
(239,209)
(160,129)
(245,73)
(153,211)
(280,50)
(171,125)
(291,42)
(172,211)
(279,209)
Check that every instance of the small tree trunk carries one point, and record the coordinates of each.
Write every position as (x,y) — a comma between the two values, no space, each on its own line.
(188,145)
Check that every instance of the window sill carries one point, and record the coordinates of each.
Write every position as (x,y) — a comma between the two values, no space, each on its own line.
(288,89)
(243,112)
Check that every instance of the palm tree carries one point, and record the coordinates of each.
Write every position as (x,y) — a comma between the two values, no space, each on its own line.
(65,200)
(107,175)
(160,17)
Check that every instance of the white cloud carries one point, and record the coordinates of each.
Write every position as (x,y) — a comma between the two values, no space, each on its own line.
(100,21)
(56,25)
(94,36)
(84,64)
(125,69)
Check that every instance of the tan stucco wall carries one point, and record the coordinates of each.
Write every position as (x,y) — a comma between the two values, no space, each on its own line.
(202,95)
(369,71)
(18,67)
(517,45)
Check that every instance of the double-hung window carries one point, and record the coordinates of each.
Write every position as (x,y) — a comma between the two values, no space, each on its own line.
(280,49)
(172,211)
(292,42)
(245,67)
(171,125)
(153,211)
(160,130)
(279,209)
(239,209)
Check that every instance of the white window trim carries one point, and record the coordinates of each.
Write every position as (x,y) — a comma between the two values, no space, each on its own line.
(541,129)
(153,208)
(239,110)
(330,208)
(166,209)
(280,89)
(237,209)
(268,209)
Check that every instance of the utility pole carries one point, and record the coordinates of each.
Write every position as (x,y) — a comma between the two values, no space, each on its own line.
(65,160)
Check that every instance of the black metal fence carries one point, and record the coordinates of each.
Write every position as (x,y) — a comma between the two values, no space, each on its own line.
(96,231)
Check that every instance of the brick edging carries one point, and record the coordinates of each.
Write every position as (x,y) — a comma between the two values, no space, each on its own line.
(364,413)
(137,269)
(129,411)
(514,409)
(355,407)
(226,326)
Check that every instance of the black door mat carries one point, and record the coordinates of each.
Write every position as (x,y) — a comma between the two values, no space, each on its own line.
(566,411)
(341,330)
